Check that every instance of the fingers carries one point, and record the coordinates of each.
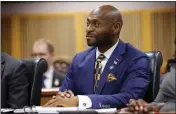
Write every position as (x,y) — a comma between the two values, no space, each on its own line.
(70,93)
(55,101)
(126,109)
(53,97)
(132,105)
(49,102)
(61,94)
(140,105)
(67,93)
(136,105)
(56,104)
(148,109)
(151,108)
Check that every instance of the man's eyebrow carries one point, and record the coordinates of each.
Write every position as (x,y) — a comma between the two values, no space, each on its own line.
(93,19)
(88,18)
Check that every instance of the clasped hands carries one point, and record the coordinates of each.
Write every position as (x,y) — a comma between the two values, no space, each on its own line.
(140,107)
(67,99)
(63,99)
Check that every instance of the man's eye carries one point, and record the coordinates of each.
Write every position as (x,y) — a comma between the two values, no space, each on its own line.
(97,24)
(87,24)
(33,55)
(42,54)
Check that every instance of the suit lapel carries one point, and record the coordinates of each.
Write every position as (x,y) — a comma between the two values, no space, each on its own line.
(89,71)
(112,64)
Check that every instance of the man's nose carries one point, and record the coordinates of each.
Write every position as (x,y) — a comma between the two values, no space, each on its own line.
(37,57)
(89,28)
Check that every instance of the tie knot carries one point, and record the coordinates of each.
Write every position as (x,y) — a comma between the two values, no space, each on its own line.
(101,57)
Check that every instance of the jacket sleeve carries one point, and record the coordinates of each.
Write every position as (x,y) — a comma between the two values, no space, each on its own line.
(167,88)
(18,87)
(134,86)
(68,83)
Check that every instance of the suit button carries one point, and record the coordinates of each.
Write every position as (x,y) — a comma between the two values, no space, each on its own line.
(84,104)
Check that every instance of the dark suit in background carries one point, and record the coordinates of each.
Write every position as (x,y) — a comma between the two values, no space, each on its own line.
(57,79)
(14,84)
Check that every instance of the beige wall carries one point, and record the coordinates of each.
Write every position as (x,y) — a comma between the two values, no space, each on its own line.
(147,29)
(64,7)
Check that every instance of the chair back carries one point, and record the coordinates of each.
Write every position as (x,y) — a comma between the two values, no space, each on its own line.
(36,69)
(156,61)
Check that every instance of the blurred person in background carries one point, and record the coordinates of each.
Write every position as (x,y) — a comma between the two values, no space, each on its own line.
(61,65)
(170,64)
(43,48)
(169,68)
(165,100)
(14,83)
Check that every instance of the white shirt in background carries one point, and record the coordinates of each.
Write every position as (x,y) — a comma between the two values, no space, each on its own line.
(49,77)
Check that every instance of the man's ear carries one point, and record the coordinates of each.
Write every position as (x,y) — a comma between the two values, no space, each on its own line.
(116,28)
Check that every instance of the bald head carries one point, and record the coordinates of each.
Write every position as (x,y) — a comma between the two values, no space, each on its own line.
(103,27)
(109,13)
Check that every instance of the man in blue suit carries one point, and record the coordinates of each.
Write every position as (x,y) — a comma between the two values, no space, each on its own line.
(109,73)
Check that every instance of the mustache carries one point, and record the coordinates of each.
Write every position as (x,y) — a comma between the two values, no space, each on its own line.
(89,35)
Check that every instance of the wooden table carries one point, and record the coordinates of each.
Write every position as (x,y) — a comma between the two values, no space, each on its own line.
(47,94)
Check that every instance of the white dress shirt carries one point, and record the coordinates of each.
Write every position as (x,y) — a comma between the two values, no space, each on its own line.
(49,77)
(85,101)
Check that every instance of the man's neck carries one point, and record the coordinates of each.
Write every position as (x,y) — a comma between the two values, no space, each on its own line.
(104,48)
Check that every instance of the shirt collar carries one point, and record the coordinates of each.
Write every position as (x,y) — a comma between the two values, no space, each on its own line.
(108,52)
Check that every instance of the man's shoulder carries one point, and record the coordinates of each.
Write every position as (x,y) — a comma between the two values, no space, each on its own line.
(134,51)
(87,51)
(11,65)
(84,53)
(9,60)
(169,77)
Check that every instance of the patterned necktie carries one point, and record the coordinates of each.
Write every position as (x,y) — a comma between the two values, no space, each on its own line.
(98,68)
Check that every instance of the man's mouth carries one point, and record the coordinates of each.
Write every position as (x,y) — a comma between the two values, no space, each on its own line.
(90,36)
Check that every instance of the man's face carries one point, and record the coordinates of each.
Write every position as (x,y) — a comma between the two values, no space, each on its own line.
(41,51)
(61,67)
(98,32)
